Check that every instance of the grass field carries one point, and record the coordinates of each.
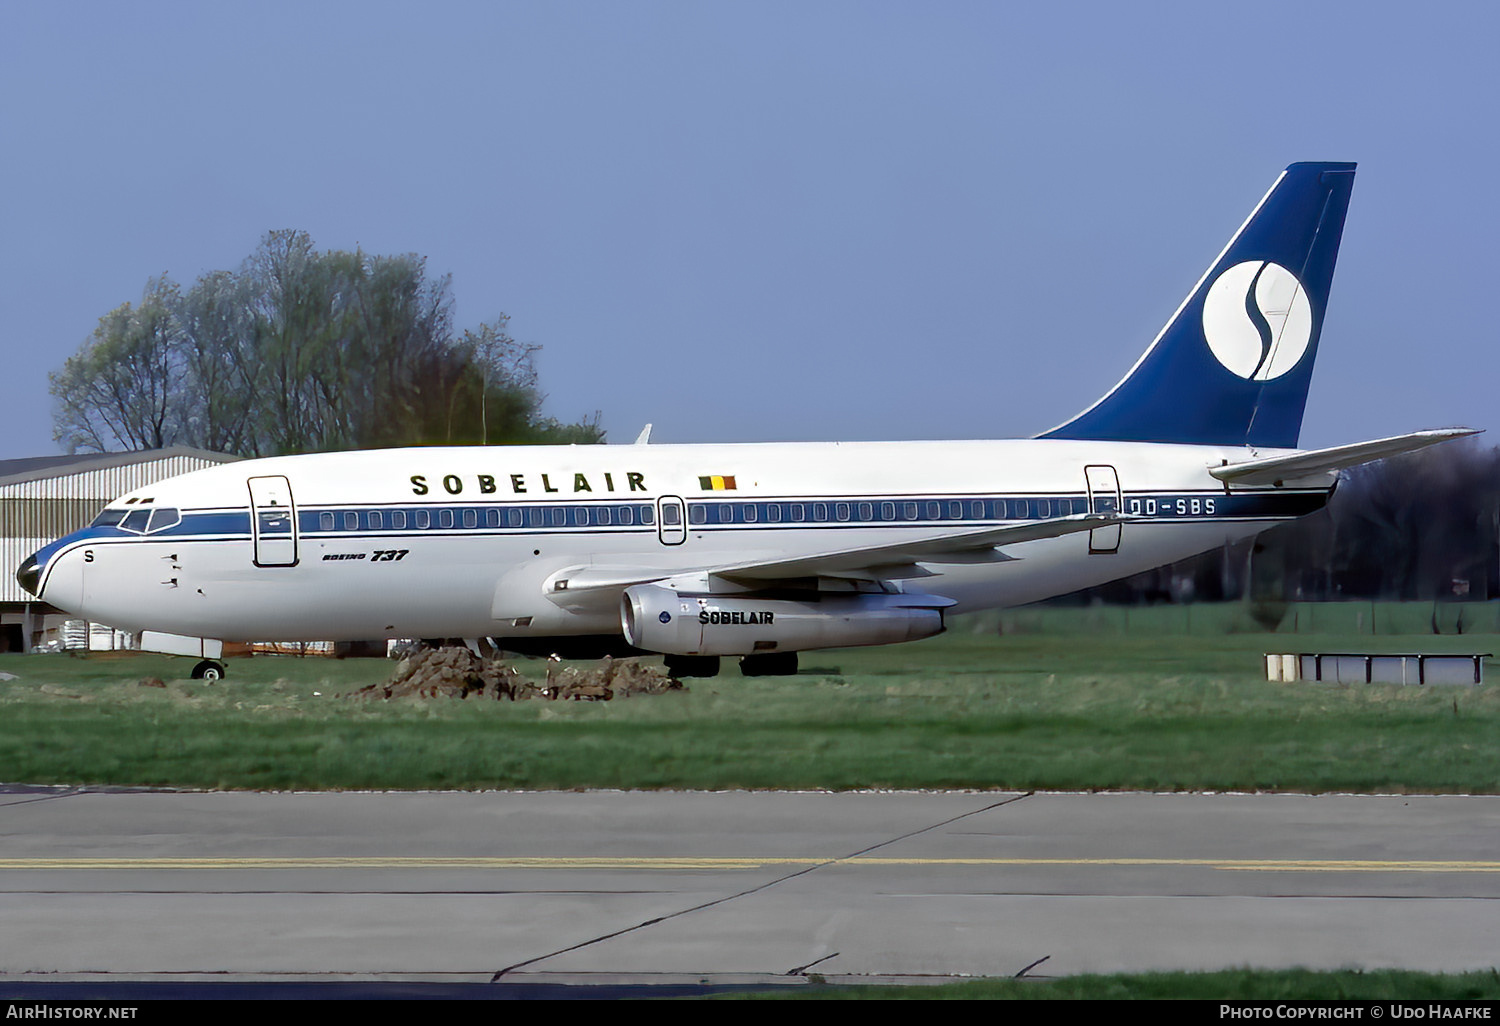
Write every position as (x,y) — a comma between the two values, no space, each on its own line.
(1102,709)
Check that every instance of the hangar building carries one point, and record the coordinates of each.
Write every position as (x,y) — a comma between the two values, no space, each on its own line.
(45,497)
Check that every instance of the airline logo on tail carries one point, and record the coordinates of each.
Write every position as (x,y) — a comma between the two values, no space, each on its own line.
(1257,313)
(1257,320)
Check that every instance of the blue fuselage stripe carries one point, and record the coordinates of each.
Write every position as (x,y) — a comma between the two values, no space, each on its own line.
(350,521)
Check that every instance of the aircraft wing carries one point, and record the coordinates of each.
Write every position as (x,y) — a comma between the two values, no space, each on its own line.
(1275,469)
(966,546)
(891,560)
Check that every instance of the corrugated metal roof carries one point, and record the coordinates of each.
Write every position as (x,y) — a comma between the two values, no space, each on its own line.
(34,468)
(51,464)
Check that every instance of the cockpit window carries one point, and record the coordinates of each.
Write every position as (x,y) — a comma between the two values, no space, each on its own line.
(163,518)
(136,521)
(143,521)
(109,518)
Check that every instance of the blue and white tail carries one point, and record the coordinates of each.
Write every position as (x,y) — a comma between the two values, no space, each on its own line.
(1233,365)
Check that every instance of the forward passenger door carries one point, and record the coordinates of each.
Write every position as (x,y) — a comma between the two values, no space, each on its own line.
(273,521)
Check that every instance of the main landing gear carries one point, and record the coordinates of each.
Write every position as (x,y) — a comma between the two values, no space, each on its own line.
(770,664)
(692,666)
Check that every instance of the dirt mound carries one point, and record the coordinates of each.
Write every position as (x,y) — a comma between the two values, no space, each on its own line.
(459,673)
(447,673)
(609,678)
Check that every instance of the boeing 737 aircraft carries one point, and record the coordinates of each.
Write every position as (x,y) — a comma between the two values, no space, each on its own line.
(757,550)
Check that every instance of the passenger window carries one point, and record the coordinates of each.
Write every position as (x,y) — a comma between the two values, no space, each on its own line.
(698,513)
(909,510)
(351,521)
(750,512)
(626,517)
(325,521)
(376,519)
(799,512)
(423,519)
(887,511)
(512,518)
(841,511)
(820,511)
(866,511)
(445,518)
(648,515)
(398,519)
(471,518)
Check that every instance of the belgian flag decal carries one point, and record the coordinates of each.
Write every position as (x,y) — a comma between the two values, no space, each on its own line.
(717,483)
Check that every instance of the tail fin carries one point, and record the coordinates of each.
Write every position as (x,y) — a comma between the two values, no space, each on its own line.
(1233,365)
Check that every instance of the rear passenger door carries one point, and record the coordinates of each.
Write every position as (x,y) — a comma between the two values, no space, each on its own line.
(1104,497)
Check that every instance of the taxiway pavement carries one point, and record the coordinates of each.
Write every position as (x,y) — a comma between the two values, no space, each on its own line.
(736,887)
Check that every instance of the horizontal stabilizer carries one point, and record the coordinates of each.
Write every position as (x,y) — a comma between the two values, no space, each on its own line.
(1275,469)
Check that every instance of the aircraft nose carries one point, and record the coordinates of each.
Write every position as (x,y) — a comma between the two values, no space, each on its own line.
(30,575)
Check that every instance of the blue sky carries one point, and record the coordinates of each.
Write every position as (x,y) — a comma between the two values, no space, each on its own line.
(772,221)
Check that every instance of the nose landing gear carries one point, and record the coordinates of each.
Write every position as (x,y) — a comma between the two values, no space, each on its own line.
(210,670)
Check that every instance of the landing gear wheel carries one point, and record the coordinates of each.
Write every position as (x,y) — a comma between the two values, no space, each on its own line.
(772,664)
(209,670)
(692,666)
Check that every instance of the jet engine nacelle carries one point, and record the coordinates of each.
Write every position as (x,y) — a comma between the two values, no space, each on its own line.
(660,619)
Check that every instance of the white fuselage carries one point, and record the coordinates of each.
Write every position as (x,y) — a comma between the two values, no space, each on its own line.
(463,542)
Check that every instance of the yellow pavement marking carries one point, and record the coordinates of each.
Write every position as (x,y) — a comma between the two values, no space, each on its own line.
(742,863)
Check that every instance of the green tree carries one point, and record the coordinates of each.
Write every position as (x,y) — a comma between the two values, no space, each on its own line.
(302,351)
(119,388)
